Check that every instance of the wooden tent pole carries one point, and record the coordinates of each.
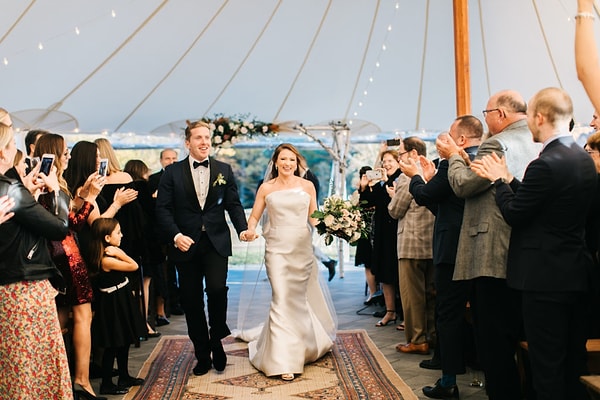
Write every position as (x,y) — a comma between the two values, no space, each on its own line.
(461,57)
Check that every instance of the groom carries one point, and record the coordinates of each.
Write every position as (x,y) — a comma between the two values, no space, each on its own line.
(193,196)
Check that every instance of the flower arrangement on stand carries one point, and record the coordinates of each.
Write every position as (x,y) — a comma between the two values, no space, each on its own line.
(340,218)
(228,130)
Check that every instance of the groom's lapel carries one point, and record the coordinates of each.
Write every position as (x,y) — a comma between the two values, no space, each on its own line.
(188,182)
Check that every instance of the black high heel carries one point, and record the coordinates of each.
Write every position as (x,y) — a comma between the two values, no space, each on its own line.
(389,321)
(82,394)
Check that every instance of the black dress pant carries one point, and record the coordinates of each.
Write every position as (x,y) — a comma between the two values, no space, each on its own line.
(205,272)
(497,323)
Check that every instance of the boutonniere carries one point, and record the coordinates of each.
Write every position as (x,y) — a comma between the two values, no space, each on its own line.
(220,180)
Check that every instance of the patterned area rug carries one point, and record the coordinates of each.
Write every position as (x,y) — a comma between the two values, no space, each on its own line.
(354,369)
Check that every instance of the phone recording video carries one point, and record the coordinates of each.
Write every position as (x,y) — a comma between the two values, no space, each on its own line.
(46,164)
(393,142)
(374,174)
(103,169)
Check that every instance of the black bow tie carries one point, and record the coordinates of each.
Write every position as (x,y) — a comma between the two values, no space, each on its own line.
(203,163)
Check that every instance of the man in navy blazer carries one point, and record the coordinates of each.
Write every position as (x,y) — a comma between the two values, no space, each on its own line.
(548,261)
(193,196)
(451,296)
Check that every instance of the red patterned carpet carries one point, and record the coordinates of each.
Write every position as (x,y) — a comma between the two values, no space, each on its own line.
(354,369)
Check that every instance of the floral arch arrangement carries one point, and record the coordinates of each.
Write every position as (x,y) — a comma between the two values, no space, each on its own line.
(229,130)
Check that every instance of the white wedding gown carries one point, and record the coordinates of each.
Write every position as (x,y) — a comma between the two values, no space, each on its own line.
(301,326)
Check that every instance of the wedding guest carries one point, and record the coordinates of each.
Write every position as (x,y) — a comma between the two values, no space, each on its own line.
(171,298)
(152,257)
(193,196)
(547,212)
(415,259)
(385,254)
(586,51)
(483,242)
(364,248)
(33,360)
(67,257)
(432,189)
(19,168)
(132,220)
(115,327)
(30,140)
(300,328)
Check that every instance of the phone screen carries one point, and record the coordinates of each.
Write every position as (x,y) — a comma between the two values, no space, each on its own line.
(46,165)
(103,169)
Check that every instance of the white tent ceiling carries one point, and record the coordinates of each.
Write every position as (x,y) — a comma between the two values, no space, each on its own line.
(136,65)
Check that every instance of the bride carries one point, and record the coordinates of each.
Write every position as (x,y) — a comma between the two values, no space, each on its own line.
(300,327)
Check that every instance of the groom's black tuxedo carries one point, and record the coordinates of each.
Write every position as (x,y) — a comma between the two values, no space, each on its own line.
(178,209)
(203,268)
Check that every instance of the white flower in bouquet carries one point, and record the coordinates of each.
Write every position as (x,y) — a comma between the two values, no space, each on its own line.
(340,218)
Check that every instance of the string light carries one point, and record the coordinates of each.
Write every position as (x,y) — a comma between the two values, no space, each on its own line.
(113,13)
(40,46)
(5,61)
(383,48)
(77,30)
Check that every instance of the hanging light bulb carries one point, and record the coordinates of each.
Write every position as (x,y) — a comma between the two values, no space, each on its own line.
(360,103)
(77,30)
(377,64)
(40,46)
(5,61)
(365,92)
(384,47)
(389,28)
(113,13)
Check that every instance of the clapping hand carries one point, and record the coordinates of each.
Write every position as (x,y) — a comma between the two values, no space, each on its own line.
(409,168)
(6,205)
(491,167)
(445,145)
(428,168)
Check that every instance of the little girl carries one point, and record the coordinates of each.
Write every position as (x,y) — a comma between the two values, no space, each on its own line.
(113,326)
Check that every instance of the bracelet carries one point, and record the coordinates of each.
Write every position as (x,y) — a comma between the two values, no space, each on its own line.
(585,15)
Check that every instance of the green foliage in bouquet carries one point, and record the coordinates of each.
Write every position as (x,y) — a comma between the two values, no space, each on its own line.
(341,218)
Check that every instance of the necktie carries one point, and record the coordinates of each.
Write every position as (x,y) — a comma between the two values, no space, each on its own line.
(203,163)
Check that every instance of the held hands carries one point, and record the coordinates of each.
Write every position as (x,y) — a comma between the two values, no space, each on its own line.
(248,235)
(491,167)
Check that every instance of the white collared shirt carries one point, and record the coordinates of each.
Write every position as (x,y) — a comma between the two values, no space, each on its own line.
(201,176)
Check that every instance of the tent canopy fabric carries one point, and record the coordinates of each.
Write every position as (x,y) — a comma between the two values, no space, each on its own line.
(137,65)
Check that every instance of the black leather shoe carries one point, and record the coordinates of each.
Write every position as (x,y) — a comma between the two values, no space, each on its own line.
(438,392)
(201,368)
(431,364)
(162,321)
(130,381)
(219,358)
(331,267)
(112,389)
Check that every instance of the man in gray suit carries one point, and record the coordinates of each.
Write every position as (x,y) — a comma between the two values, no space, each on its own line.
(484,238)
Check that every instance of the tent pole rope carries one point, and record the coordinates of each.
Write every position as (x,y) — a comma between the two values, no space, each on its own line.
(172,69)
(364,57)
(238,69)
(537,14)
(308,52)
(58,104)
(424,57)
(484,51)
(13,26)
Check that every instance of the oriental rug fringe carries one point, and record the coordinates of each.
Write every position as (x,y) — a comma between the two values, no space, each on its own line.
(354,369)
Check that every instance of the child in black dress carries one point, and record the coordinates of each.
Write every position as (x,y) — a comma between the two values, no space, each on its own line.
(113,326)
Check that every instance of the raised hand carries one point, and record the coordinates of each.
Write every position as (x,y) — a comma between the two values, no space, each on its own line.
(6,205)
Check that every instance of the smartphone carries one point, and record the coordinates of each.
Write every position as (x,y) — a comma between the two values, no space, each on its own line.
(103,169)
(393,142)
(46,163)
(374,174)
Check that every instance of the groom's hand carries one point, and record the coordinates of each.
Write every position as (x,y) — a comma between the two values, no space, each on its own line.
(183,243)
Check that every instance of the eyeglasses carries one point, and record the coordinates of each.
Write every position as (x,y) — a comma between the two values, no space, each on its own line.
(485,112)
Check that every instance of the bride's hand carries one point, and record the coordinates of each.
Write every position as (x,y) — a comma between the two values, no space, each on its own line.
(248,235)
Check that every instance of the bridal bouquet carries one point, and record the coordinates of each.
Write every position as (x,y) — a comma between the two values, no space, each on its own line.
(340,218)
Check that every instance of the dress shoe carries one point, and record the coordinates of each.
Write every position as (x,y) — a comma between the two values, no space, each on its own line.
(287,377)
(438,392)
(112,389)
(201,368)
(412,348)
(161,320)
(331,267)
(431,364)
(82,394)
(126,383)
(219,358)
(384,321)
(153,335)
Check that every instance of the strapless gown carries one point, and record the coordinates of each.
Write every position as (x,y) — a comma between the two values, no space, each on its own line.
(300,327)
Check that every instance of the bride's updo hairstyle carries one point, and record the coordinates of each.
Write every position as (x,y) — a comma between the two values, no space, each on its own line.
(285,146)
